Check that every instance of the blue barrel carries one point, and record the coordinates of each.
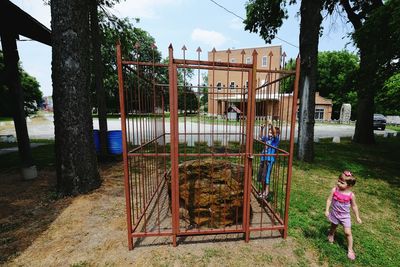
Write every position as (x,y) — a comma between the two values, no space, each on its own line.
(114,142)
(96,137)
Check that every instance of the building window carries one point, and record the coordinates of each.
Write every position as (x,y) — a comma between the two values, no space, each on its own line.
(248,60)
(319,114)
(219,86)
(264,61)
(232,85)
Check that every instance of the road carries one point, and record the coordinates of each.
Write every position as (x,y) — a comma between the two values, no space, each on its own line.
(42,127)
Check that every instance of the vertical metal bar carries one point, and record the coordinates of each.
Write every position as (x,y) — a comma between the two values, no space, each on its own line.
(249,145)
(124,149)
(291,148)
(173,102)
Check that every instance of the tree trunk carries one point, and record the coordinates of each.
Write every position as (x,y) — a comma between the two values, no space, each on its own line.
(13,80)
(98,77)
(309,36)
(75,152)
(364,132)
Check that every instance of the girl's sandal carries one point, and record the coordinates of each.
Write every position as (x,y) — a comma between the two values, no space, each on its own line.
(351,255)
(331,239)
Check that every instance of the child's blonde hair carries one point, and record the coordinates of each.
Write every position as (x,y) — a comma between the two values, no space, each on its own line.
(348,177)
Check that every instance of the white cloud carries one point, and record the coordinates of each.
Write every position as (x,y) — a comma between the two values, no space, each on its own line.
(211,38)
(236,24)
(143,8)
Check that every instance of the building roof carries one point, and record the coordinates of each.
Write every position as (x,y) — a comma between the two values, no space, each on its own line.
(16,21)
(320,100)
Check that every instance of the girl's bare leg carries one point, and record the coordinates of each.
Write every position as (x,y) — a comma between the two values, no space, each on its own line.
(332,231)
(349,236)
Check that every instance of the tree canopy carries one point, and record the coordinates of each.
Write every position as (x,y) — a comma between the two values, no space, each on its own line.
(376,34)
(336,79)
(114,29)
(32,94)
(388,98)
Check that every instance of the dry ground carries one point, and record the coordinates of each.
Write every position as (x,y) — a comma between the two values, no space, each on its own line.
(36,229)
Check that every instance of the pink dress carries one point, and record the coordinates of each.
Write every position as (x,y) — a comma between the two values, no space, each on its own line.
(340,209)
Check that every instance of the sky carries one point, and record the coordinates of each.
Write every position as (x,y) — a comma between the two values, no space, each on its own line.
(193,23)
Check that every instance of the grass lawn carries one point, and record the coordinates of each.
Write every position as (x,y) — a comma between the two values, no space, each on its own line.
(6,119)
(393,127)
(43,156)
(377,168)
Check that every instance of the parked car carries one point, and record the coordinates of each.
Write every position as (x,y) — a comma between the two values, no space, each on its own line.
(379,122)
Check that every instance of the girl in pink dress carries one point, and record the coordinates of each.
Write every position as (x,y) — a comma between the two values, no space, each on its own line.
(339,202)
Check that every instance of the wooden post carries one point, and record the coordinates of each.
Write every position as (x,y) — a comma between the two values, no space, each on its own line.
(13,82)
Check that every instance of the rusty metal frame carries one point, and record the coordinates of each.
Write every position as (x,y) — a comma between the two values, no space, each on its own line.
(154,195)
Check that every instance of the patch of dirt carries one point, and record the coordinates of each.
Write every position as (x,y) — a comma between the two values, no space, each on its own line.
(90,230)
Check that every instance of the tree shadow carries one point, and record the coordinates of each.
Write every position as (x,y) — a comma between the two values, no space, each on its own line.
(27,209)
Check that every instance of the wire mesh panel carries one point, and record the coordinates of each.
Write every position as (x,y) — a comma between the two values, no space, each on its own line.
(208,145)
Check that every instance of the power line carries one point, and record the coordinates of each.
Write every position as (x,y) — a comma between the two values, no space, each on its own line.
(227,10)
(236,15)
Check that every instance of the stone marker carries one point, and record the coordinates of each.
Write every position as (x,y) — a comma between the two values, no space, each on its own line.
(345,113)
(336,139)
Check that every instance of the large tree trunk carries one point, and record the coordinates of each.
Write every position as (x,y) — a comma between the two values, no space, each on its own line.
(75,153)
(309,36)
(98,77)
(364,132)
(13,81)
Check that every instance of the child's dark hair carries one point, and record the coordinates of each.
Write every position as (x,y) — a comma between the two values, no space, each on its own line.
(348,177)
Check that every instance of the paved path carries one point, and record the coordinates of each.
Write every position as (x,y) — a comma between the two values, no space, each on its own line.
(43,128)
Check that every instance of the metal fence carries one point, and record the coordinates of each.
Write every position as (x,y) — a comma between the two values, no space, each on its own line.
(195,153)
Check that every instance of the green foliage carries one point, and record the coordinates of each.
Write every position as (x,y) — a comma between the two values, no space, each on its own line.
(388,99)
(32,94)
(114,29)
(265,17)
(336,79)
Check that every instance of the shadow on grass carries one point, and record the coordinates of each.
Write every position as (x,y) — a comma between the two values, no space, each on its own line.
(378,161)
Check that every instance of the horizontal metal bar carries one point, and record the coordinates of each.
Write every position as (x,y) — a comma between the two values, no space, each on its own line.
(276,155)
(274,227)
(146,234)
(292,72)
(212,68)
(211,232)
(211,64)
(187,154)
(130,62)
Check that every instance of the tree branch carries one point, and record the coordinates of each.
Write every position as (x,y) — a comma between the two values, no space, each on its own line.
(353,17)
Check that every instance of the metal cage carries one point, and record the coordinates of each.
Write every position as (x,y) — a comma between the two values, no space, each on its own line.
(195,155)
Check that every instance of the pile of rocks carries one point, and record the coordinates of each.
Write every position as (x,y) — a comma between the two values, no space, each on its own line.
(210,192)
